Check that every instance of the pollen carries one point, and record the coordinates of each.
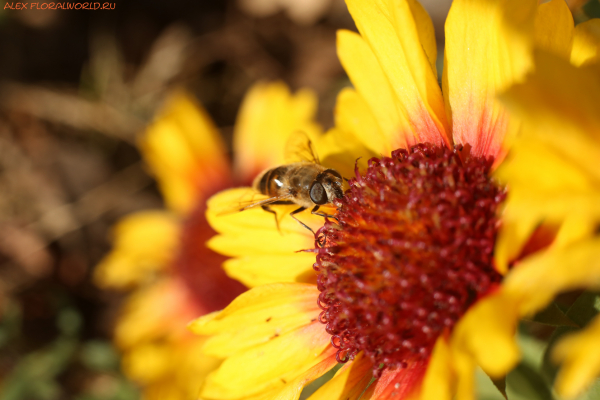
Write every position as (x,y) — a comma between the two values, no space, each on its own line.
(410,252)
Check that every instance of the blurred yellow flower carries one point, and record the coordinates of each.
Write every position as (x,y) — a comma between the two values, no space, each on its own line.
(408,293)
(160,254)
(554,178)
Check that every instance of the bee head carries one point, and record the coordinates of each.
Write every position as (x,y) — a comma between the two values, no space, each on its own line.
(326,187)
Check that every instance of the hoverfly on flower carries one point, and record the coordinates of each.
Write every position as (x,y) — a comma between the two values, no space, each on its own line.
(302,181)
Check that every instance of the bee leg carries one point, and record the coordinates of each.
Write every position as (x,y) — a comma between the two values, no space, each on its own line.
(269,209)
(300,222)
(316,208)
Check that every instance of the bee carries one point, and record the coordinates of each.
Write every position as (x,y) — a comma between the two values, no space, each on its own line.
(303,181)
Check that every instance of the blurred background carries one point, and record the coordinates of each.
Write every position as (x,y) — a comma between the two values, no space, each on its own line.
(76,87)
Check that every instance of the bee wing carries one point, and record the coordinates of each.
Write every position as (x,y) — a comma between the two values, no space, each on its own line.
(242,206)
(299,147)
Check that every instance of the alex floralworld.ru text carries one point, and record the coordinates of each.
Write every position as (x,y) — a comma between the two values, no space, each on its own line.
(59,6)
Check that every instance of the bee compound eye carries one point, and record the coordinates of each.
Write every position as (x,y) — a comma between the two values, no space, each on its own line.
(318,194)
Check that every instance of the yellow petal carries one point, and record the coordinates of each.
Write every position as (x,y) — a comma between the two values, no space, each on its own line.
(261,270)
(558,106)
(148,362)
(158,351)
(348,383)
(486,334)
(439,381)
(252,238)
(223,215)
(257,316)
(165,390)
(544,186)
(574,228)
(144,243)
(425,31)
(516,229)
(464,367)
(342,151)
(184,151)
(483,56)
(579,354)
(232,243)
(533,163)
(293,389)
(371,112)
(270,365)
(161,310)
(393,30)
(353,115)
(167,369)
(552,170)
(553,28)
(268,115)
(586,42)
(539,278)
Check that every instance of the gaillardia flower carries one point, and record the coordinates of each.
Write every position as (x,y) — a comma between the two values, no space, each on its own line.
(161,253)
(407,289)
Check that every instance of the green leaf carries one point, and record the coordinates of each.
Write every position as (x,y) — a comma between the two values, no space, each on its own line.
(34,377)
(524,383)
(592,10)
(593,393)
(69,322)
(500,384)
(10,323)
(99,355)
(583,310)
(317,383)
(552,315)
(488,389)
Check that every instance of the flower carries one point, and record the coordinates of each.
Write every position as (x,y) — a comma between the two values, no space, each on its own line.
(160,253)
(411,296)
(560,148)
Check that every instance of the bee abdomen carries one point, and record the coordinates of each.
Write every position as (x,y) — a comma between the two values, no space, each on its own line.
(272,181)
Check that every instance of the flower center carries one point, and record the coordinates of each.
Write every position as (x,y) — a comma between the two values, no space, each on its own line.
(412,250)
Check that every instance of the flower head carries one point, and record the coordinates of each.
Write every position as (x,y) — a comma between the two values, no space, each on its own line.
(399,270)
(410,291)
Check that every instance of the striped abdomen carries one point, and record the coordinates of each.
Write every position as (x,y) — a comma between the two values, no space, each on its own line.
(272,181)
